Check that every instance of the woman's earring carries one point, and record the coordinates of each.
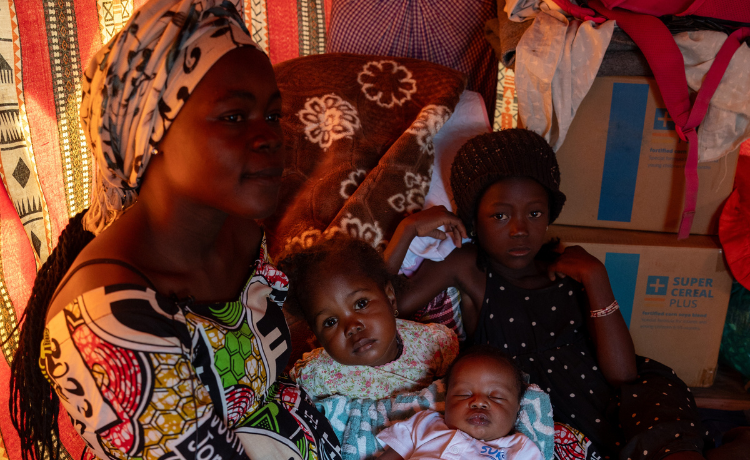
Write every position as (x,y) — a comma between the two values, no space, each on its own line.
(472,233)
(154,151)
(395,313)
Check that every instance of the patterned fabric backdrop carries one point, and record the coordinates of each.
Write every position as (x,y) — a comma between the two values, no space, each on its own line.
(44,162)
(45,165)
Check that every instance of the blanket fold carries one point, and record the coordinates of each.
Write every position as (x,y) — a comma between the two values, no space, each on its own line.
(358,142)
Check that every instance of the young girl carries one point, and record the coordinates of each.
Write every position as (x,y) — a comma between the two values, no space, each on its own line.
(346,294)
(484,392)
(555,314)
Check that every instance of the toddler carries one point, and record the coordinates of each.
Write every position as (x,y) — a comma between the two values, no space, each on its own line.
(346,294)
(555,314)
(484,393)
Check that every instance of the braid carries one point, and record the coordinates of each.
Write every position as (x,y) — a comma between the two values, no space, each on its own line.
(34,405)
(298,268)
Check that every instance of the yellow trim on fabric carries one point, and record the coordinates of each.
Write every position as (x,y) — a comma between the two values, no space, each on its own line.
(256,20)
(113,15)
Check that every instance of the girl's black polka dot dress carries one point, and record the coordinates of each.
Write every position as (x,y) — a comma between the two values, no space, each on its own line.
(544,330)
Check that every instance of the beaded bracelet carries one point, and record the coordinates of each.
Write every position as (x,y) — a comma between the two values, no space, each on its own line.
(613,307)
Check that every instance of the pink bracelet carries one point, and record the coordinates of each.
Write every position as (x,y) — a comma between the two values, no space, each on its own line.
(613,307)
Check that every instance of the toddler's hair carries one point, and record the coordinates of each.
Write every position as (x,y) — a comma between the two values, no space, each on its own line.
(490,352)
(488,158)
(302,266)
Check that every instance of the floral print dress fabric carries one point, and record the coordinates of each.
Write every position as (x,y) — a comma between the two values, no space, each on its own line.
(428,351)
(144,376)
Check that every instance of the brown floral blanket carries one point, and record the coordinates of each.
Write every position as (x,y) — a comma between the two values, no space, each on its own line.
(358,143)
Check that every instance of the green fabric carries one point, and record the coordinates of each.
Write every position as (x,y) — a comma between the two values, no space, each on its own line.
(735,343)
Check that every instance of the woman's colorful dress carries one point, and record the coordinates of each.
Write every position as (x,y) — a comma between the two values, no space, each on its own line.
(145,376)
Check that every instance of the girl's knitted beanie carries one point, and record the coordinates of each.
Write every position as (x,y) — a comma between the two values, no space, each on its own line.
(488,158)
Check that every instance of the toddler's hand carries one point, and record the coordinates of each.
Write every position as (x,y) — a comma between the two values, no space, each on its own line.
(578,264)
(428,221)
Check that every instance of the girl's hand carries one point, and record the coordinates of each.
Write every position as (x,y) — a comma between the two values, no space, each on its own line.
(428,221)
(614,346)
(579,265)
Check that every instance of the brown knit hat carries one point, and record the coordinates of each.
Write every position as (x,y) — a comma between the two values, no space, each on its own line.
(488,158)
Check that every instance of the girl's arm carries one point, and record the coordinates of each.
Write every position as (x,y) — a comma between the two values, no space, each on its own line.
(614,346)
(459,268)
(422,223)
(432,278)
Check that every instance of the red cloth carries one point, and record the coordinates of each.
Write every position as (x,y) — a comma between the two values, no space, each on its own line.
(734,223)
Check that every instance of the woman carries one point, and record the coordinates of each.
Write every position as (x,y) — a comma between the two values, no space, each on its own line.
(165,337)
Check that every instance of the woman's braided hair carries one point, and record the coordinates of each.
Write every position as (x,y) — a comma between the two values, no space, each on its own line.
(34,405)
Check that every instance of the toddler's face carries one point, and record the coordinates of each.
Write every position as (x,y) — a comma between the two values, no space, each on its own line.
(353,317)
(511,222)
(482,398)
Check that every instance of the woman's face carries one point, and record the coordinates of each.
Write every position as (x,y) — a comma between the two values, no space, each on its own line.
(224,148)
(352,317)
(511,221)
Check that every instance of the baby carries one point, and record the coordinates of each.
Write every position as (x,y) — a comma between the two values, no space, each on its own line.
(346,294)
(484,393)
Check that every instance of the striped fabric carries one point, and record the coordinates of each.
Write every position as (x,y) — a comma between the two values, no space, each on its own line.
(450,33)
(506,104)
(44,162)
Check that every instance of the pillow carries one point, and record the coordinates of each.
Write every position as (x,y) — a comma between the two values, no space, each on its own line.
(450,33)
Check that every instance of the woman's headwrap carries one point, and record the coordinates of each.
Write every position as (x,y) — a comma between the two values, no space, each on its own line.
(138,82)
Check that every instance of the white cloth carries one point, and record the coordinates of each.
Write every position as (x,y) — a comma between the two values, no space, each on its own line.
(469,119)
(426,436)
(727,121)
(556,62)
(521,10)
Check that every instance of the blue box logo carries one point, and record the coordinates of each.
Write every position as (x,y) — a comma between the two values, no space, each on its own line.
(657,285)
(662,120)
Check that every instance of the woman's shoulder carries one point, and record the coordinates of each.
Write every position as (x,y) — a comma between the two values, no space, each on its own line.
(124,314)
(94,269)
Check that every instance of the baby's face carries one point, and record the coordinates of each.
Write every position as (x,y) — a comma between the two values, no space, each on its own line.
(353,317)
(482,398)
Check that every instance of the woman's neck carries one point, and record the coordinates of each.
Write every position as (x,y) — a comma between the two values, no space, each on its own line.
(186,249)
(187,233)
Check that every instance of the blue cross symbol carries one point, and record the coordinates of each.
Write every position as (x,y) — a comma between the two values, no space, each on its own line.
(662,120)
(657,285)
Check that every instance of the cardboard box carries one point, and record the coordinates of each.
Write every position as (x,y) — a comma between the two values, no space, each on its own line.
(622,163)
(673,294)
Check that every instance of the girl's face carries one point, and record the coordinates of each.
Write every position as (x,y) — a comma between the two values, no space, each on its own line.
(223,150)
(353,317)
(482,398)
(511,222)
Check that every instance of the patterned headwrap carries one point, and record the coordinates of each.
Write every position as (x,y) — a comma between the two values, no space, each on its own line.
(138,82)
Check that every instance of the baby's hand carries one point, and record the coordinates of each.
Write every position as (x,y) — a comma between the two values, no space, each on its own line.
(578,264)
(428,221)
